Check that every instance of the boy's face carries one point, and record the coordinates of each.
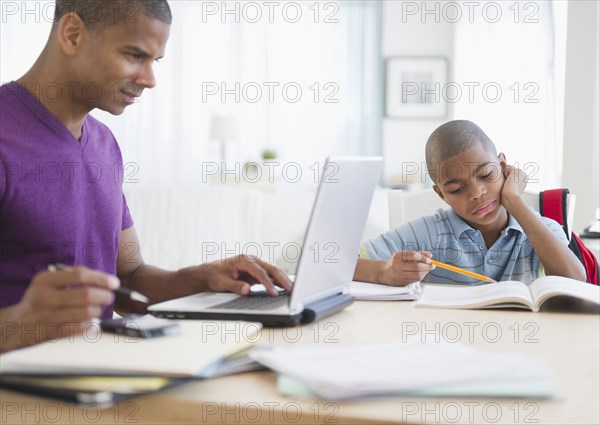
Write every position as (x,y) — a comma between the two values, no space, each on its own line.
(116,63)
(471,183)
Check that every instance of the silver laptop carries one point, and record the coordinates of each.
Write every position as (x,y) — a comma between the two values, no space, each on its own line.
(326,264)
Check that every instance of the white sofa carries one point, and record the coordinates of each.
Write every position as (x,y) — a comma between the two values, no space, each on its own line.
(184,226)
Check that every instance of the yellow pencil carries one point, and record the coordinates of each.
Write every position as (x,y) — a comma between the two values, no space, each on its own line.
(463,271)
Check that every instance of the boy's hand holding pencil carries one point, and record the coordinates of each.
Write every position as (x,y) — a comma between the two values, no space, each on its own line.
(406,267)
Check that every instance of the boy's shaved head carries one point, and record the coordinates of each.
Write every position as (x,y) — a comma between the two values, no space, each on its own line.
(98,14)
(451,139)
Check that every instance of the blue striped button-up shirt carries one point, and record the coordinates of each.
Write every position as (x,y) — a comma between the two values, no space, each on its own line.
(451,240)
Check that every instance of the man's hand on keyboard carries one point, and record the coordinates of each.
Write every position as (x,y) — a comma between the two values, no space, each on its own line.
(237,274)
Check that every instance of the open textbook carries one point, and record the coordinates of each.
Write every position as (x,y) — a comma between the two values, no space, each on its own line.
(508,294)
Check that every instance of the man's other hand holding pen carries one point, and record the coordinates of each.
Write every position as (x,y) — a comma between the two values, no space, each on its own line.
(57,303)
(134,295)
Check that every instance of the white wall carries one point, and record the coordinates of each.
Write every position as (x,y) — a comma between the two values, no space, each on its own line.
(404,34)
(404,140)
(581,153)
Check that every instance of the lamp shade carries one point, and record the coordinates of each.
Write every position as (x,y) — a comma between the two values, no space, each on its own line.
(224,127)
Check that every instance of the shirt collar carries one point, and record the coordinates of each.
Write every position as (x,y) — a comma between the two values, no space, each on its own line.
(460,226)
(512,224)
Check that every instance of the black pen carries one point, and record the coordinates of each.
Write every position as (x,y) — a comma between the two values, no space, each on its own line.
(134,295)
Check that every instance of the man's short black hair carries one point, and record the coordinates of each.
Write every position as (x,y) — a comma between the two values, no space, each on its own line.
(98,14)
(451,139)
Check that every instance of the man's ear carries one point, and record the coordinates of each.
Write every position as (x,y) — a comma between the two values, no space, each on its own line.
(439,193)
(71,32)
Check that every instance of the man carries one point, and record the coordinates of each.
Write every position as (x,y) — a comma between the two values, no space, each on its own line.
(59,199)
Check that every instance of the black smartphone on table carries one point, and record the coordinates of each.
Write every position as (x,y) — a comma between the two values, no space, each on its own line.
(141,326)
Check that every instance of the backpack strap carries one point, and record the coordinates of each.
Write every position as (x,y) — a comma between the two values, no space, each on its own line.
(586,257)
(553,204)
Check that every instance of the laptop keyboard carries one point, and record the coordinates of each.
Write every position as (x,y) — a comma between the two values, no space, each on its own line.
(256,301)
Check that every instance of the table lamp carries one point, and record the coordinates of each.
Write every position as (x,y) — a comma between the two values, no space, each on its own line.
(224,128)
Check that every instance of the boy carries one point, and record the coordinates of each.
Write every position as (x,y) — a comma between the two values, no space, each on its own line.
(488,230)
(99,54)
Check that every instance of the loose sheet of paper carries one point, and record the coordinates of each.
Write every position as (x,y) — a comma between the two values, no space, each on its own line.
(348,372)
(374,292)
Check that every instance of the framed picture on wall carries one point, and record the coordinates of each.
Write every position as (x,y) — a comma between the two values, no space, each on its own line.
(415,87)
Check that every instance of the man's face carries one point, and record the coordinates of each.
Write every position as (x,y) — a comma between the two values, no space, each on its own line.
(471,183)
(116,64)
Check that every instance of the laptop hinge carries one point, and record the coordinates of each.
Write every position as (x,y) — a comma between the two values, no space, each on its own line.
(325,307)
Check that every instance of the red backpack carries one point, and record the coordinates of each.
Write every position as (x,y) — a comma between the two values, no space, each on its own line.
(553,204)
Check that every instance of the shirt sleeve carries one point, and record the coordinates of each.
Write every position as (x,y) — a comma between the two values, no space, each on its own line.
(556,229)
(380,248)
(383,247)
(127,220)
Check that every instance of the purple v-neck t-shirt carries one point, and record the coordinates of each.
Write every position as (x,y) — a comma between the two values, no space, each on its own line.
(61,199)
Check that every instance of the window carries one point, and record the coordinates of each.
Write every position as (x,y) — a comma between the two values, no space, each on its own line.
(508,76)
(303,79)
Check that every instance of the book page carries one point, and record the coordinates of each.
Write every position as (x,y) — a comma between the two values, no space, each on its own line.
(552,286)
(501,294)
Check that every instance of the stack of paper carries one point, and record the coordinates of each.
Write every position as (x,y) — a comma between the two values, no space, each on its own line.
(413,368)
(375,292)
(237,362)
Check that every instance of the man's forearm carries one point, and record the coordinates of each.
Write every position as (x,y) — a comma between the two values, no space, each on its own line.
(160,285)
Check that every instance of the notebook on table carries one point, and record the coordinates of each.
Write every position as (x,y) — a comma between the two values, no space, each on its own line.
(102,368)
(322,282)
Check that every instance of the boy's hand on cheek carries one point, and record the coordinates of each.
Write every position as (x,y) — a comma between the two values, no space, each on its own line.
(515,181)
(406,267)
